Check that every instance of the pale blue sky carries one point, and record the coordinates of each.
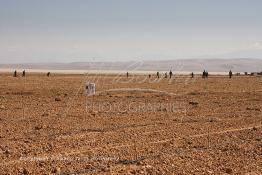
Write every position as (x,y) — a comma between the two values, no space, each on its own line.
(114,30)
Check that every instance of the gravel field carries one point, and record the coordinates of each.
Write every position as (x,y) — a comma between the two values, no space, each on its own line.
(135,125)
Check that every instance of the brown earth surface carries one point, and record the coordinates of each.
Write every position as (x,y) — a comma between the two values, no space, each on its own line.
(132,125)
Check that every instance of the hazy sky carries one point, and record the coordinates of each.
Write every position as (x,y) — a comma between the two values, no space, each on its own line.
(84,30)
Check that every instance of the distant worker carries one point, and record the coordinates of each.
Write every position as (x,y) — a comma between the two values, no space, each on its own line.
(230,74)
(192,75)
(166,75)
(48,74)
(157,74)
(23,73)
(170,74)
(127,74)
(149,76)
(15,73)
(204,74)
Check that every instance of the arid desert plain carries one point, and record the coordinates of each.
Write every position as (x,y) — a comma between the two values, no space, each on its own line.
(134,125)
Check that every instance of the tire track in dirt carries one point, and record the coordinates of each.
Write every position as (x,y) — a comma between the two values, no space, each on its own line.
(82,150)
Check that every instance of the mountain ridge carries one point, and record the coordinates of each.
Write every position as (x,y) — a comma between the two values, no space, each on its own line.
(215,65)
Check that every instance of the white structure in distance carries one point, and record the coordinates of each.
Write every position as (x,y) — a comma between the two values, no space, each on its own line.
(90,88)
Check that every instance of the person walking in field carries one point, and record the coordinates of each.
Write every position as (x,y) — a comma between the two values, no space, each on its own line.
(170,74)
(230,74)
(157,74)
(192,75)
(48,74)
(23,73)
(15,73)
(204,74)
(127,74)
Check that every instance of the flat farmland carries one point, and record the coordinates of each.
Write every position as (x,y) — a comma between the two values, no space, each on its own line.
(134,125)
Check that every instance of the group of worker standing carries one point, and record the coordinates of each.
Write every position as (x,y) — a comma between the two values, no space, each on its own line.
(23,74)
(204,75)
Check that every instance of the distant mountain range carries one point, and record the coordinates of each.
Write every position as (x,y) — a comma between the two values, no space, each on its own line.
(212,65)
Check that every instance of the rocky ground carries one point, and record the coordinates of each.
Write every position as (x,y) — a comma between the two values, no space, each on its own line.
(135,125)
